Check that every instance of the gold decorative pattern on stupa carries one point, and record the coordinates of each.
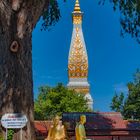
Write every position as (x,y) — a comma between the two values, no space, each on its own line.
(77,19)
(78,63)
(83,90)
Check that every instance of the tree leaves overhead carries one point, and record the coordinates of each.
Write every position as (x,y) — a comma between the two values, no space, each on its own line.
(130,16)
(51,15)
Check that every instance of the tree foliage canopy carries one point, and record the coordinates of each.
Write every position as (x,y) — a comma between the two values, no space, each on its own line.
(51,14)
(130,16)
(56,100)
(129,106)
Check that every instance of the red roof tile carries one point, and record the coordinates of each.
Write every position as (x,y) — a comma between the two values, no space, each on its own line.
(42,126)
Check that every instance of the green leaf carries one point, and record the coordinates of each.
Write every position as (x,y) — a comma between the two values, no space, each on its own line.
(56,100)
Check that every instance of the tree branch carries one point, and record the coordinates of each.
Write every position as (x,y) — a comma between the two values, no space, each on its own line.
(38,8)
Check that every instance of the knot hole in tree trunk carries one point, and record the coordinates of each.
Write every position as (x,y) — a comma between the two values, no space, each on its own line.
(14,47)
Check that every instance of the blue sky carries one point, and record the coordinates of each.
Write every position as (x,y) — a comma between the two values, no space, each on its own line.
(112,59)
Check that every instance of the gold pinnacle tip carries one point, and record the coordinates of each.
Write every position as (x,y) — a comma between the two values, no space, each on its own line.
(77,6)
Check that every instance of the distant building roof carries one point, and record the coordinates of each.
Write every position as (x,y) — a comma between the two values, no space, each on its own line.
(41,127)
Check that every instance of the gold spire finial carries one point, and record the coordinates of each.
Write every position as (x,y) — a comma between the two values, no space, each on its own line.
(77,7)
(77,14)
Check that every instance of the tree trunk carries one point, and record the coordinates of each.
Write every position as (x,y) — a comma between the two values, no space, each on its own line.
(17,20)
(16,92)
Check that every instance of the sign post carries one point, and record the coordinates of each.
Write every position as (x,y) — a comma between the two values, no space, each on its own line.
(14,121)
(6,134)
(21,134)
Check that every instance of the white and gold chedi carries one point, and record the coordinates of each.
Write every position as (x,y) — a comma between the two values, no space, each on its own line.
(78,59)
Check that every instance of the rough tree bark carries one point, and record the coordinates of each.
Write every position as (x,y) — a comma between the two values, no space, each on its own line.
(17,20)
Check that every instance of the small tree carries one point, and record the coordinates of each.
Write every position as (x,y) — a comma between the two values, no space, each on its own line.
(129,106)
(117,103)
(56,100)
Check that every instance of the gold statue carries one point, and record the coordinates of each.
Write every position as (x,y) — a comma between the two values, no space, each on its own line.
(80,129)
(56,131)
